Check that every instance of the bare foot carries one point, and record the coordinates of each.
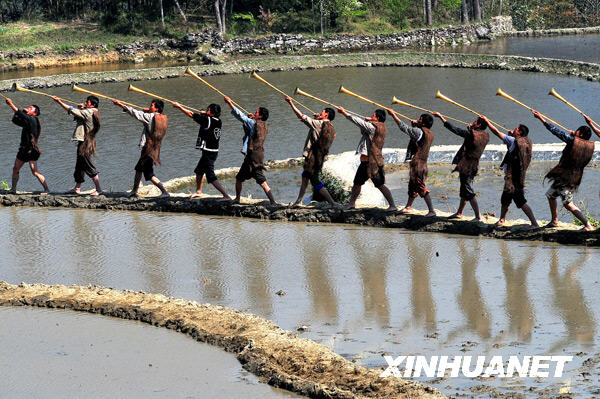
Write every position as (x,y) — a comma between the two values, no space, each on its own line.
(455,216)
(45,193)
(273,203)
(432,213)
(347,207)
(74,191)
(552,225)
(12,191)
(96,193)
(587,227)
(225,199)
(406,209)
(164,195)
(500,223)
(236,201)
(133,194)
(196,195)
(296,204)
(391,209)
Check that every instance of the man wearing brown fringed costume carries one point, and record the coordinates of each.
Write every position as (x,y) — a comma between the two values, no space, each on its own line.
(316,147)
(467,161)
(29,152)
(515,164)
(255,133)
(155,127)
(87,117)
(417,152)
(370,149)
(566,176)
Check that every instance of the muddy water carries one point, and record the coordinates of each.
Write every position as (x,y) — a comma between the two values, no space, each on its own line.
(117,142)
(363,292)
(570,47)
(58,354)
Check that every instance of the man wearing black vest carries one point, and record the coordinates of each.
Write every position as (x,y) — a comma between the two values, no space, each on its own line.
(207,141)
(319,140)
(29,151)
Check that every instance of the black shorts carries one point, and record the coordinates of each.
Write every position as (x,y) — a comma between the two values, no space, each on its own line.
(518,196)
(466,187)
(206,165)
(362,175)
(28,154)
(248,171)
(146,166)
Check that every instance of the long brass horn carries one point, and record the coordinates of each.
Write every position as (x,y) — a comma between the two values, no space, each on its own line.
(189,71)
(93,93)
(305,94)
(257,77)
(346,91)
(404,103)
(561,98)
(508,97)
(16,87)
(135,89)
(443,97)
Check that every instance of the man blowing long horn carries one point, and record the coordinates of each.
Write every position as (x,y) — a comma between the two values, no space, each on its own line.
(155,128)
(421,138)
(515,164)
(566,176)
(316,147)
(467,161)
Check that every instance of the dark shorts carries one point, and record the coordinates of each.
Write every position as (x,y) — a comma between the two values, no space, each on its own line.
(466,187)
(248,171)
(314,179)
(362,175)
(416,187)
(518,196)
(83,166)
(28,154)
(146,166)
(206,166)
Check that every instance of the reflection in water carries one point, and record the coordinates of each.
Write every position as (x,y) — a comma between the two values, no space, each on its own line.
(152,244)
(423,304)
(518,305)
(570,302)
(470,298)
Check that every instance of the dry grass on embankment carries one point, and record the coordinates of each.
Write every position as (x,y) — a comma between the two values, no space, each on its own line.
(277,356)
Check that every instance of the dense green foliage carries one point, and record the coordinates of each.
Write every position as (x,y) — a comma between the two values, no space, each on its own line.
(175,17)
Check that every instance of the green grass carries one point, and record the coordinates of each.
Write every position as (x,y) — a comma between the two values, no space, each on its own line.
(591,218)
(57,36)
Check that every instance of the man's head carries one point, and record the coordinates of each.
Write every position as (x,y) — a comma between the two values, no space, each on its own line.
(157,106)
(426,120)
(32,110)
(379,115)
(479,124)
(92,102)
(327,113)
(584,132)
(262,113)
(214,110)
(520,131)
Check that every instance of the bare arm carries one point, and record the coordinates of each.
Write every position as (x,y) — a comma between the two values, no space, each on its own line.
(439,116)
(591,124)
(294,108)
(185,111)
(342,111)
(11,105)
(493,128)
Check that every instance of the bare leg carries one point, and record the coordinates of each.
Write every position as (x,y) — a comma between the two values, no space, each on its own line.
(475,207)
(96,180)
(427,199)
(136,184)
(459,212)
(503,212)
(269,193)
(199,180)
(527,209)
(388,197)
(353,196)
(579,215)
(38,175)
(323,191)
(408,206)
(238,191)
(15,175)
(157,183)
(221,189)
(303,186)
(553,213)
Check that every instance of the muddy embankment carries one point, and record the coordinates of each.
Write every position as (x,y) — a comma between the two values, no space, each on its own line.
(276,356)
(254,209)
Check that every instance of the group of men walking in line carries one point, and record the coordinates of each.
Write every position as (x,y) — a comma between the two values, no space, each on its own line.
(565,177)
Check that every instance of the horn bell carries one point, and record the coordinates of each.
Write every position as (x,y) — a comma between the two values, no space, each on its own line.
(499,92)
(188,71)
(14,87)
(438,95)
(298,91)
(342,90)
(131,88)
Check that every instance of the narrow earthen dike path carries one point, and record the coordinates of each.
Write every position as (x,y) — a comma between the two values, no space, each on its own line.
(376,217)
(276,356)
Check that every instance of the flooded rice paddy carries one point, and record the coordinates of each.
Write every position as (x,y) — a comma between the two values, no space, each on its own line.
(363,292)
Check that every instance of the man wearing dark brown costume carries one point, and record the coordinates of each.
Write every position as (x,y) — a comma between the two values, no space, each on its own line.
(370,149)
(87,120)
(255,133)
(467,161)
(208,142)
(155,126)
(566,176)
(417,152)
(316,147)
(29,151)
(515,164)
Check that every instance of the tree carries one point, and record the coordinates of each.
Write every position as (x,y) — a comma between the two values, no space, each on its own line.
(220,14)
(476,10)
(464,12)
(428,16)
